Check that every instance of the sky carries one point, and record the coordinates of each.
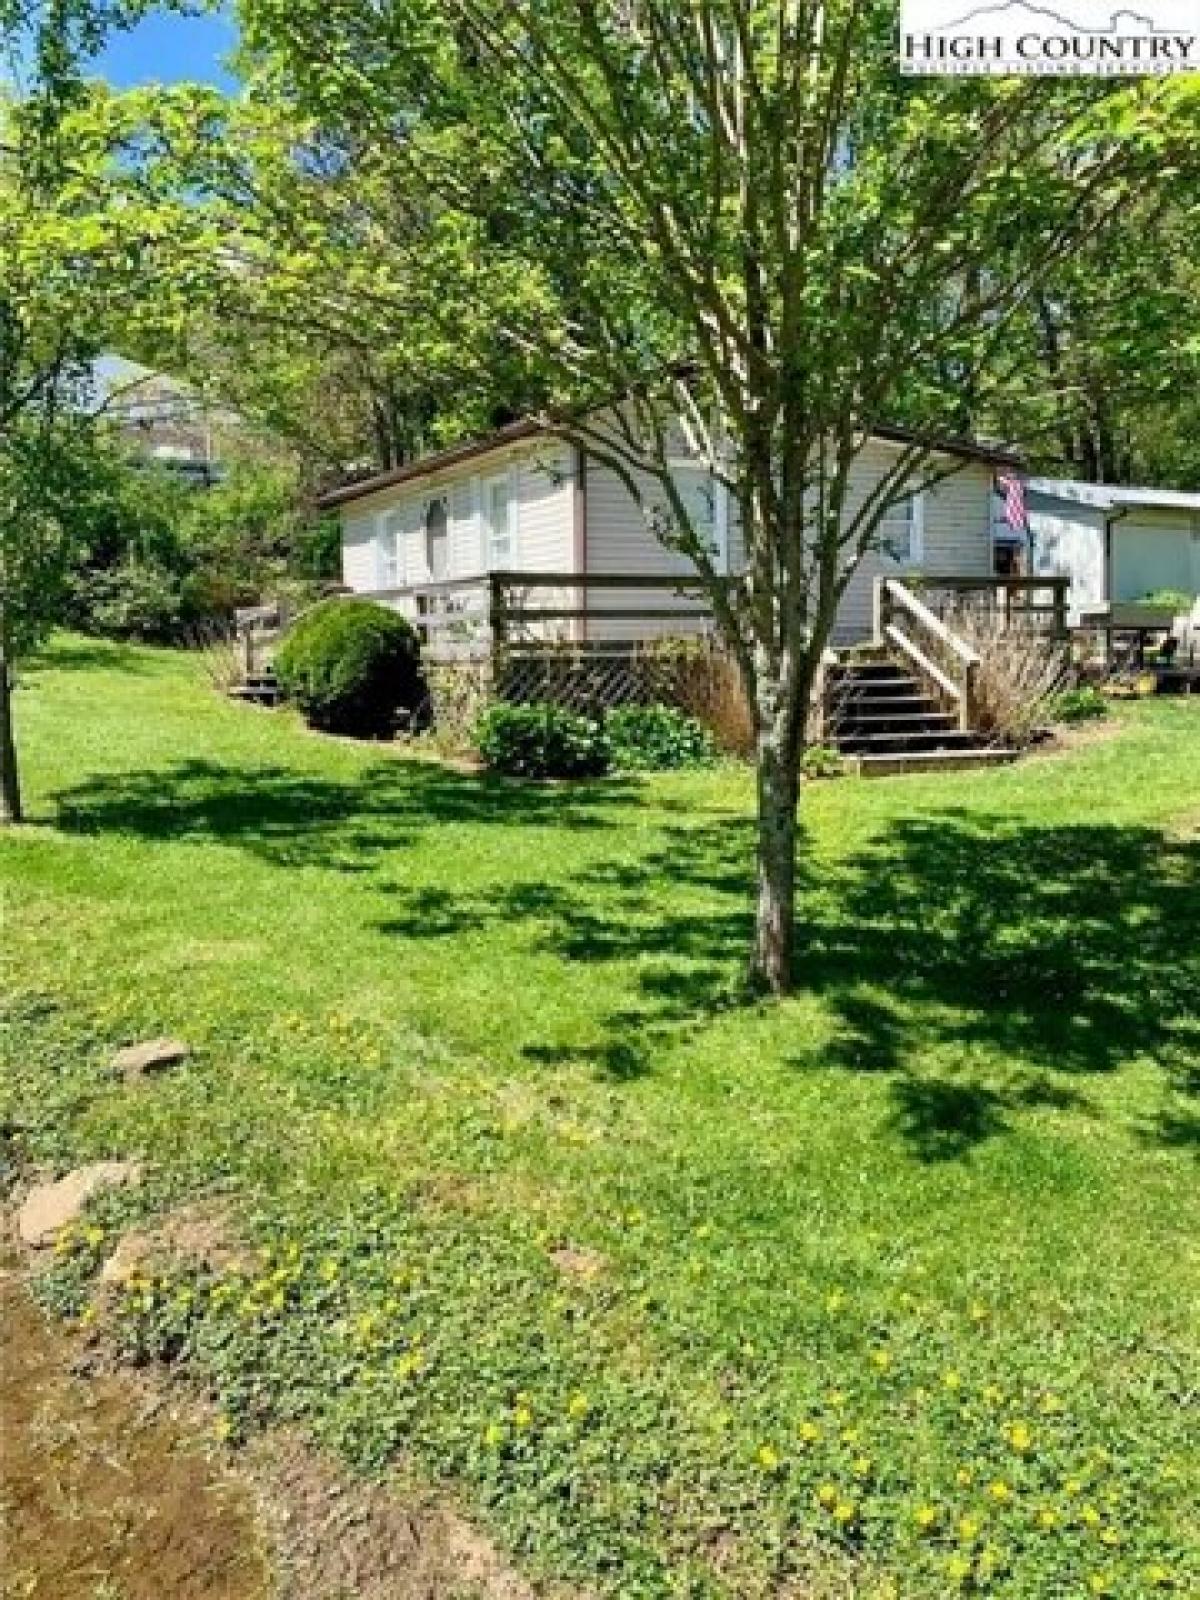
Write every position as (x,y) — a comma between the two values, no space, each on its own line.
(167,48)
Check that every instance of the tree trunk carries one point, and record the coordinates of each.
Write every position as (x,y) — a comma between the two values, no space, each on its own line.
(774,927)
(10,783)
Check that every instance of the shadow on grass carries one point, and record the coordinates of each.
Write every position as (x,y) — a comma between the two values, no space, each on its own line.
(955,940)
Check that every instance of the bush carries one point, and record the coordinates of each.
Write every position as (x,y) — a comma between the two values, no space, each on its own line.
(541,740)
(656,737)
(135,600)
(1077,705)
(822,761)
(1021,670)
(350,666)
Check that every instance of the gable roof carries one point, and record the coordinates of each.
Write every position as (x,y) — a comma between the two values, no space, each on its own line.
(1113,496)
(527,428)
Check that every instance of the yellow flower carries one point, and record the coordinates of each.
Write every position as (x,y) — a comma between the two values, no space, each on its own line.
(808,1432)
(827,1496)
(845,1512)
(927,1518)
(1109,1537)
(837,1398)
(1050,1405)
(1046,1518)
(1000,1491)
(952,1379)
(1100,1583)
(768,1457)
(881,1360)
(851,1435)
(835,1301)
(493,1435)
(993,1395)
(577,1405)
(222,1428)
(1020,1437)
(87,1316)
(968,1529)
(1158,1576)
(959,1569)
(964,1477)
(522,1416)
(1073,1486)
(1091,1517)
(978,1311)
(862,1466)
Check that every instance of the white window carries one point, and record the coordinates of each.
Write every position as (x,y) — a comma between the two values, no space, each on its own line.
(902,532)
(390,544)
(706,503)
(499,523)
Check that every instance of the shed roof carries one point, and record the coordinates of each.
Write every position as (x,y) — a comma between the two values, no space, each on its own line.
(1113,496)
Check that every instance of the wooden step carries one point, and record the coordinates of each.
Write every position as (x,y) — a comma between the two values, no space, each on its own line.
(887,741)
(896,763)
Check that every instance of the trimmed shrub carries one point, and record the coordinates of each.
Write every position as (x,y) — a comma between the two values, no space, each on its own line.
(541,740)
(656,737)
(351,666)
(1077,705)
(1175,601)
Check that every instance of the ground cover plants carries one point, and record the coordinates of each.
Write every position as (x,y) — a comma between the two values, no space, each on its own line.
(884,1290)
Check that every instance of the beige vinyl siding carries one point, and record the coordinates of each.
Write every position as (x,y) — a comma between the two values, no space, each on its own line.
(619,540)
(956,533)
(546,511)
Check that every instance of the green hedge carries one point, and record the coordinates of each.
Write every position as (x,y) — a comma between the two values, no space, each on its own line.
(352,666)
(653,738)
(541,740)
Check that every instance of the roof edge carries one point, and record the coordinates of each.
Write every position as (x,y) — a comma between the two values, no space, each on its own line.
(528,428)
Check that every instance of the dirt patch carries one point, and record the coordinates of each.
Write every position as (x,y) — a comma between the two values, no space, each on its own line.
(102,1493)
(112,1487)
(1067,737)
(198,1234)
(345,1540)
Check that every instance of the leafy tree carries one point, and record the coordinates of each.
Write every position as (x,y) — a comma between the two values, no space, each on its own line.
(79,249)
(742,220)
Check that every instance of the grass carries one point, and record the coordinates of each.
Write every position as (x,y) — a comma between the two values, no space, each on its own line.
(889,1289)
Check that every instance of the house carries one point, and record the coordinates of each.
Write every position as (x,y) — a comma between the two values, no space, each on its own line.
(1119,545)
(425,537)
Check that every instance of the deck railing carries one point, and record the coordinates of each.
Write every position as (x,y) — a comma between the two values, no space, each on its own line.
(1039,601)
(936,651)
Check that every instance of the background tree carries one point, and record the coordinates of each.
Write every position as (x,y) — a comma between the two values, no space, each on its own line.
(742,220)
(82,252)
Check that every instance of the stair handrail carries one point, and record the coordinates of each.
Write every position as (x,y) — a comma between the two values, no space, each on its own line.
(960,683)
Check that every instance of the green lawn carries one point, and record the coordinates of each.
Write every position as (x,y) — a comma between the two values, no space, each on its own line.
(887,1290)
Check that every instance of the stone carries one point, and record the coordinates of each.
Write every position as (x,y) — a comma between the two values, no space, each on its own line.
(152,1055)
(52,1206)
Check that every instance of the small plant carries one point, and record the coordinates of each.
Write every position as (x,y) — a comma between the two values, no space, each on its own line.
(656,737)
(822,761)
(541,740)
(1172,600)
(351,666)
(1077,705)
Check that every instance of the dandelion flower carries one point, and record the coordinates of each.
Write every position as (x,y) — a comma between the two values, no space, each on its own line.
(1020,1437)
(1158,1576)
(493,1435)
(851,1435)
(926,1518)
(835,1301)
(827,1496)
(522,1416)
(578,1405)
(881,1360)
(1100,1583)
(959,1569)
(952,1379)
(968,1529)
(808,1432)
(862,1466)
(1090,1517)
(768,1457)
(1000,1491)
(845,1512)
(1047,1518)
(964,1477)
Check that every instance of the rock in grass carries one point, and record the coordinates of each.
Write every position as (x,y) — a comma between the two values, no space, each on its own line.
(152,1055)
(52,1206)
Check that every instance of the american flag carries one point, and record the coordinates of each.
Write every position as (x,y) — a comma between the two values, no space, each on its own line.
(1013,491)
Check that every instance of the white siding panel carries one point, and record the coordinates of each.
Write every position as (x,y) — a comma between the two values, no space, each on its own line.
(359,551)
(545,511)
(1069,538)
(620,541)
